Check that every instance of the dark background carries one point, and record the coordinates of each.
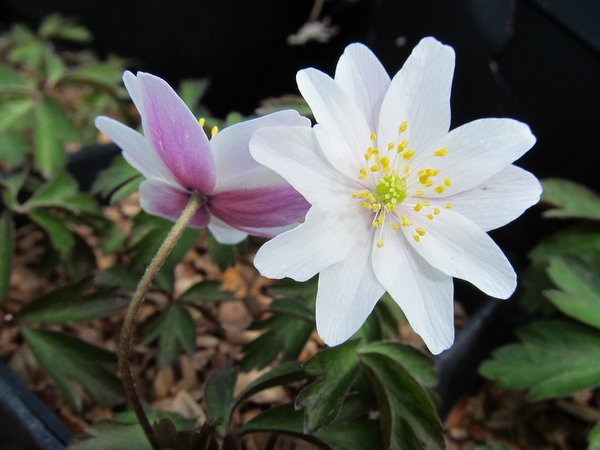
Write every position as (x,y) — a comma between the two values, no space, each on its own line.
(533,60)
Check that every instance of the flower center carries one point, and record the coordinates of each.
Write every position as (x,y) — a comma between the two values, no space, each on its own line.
(396,185)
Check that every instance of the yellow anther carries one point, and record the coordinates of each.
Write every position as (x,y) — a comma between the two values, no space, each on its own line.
(403,127)
(374,224)
(417,238)
(202,121)
(440,189)
(376,206)
(394,226)
(418,207)
(402,146)
(390,207)
(385,161)
(355,195)
(391,145)
(430,216)
(436,211)
(365,205)
(380,243)
(374,168)
(371,197)
(419,194)
(448,182)
(213,131)
(408,155)
(373,137)
(427,203)
(420,231)
(423,179)
(434,172)
(441,152)
(449,205)
(405,221)
(406,169)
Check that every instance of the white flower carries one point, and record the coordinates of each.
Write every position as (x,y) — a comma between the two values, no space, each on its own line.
(399,202)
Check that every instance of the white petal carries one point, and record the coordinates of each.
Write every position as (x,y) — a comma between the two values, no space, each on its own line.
(424,294)
(364,80)
(134,89)
(419,94)
(235,167)
(322,240)
(347,293)
(136,150)
(224,233)
(294,153)
(339,115)
(477,151)
(499,200)
(459,248)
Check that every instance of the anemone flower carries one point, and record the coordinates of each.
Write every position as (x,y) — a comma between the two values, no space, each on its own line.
(177,158)
(398,202)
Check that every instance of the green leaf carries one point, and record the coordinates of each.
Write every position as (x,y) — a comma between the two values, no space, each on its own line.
(272,105)
(223,255)
(574,241)
(7,244)
(218,396)
(13,148)
(60,236)
(114,177)
(365,434)
(70,361)
(124,432)
(292,308)
(554,358)
(57,27)
(10,79)
(104,75)
(70,304)
(55,67)
(168,437)
(285,373)
(494,446)
(12,110)
(572,200)
(175,331)
(52,129)
(192,91)
(534,281)
(406,411)
(580,284)
(336,370)
(206,291)
(594,438)
(29,52)
(62,192)
(412,360)
(283,419)
(120,277)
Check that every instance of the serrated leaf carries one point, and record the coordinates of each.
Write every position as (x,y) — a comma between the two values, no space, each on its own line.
(534,281)
(126,189)
(124,432)
(405,409)
(175,331)
(120,277)
(223,255)
(285,373)
(572,200)
(70,304)
(218,396)
(553,359)
(414,362)
(580,284)
(113,177)
(336,370)
(60,236)
(55,26)
(284,336)
(104,75)
(295,102)
(594,438)
(52,129)
(283,419)
(206,291)
(292,308)
(574,241)
(168,437)
(12,110)
(70,361)
(7,242)
(10,79)
(365,434)
(13,148)
(29,52)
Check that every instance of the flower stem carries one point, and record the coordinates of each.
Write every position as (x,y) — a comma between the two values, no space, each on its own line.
(196,200)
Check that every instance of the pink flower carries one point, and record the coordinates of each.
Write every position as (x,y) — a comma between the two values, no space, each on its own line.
(177,158)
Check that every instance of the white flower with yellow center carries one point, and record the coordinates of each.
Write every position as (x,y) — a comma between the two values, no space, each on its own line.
(398,202)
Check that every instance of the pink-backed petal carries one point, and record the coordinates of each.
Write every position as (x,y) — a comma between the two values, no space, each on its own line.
(176,135)
(236,169)
(225,234)
(259,208)
(166,201)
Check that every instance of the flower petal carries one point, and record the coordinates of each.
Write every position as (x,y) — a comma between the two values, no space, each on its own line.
(301,164)
(136,149)
(166,201)
(499,200)
(261,207)
(477,151)
(235,166)
(347,293)
(225,234)
(299,253)
(424,294)
(132,84)
(459,248)
(176,135)
(364,80)
(419,94)
(338,114)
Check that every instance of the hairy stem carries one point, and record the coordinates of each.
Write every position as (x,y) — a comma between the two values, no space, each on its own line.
(196,200)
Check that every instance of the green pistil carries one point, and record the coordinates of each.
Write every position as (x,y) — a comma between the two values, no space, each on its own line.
(391,189)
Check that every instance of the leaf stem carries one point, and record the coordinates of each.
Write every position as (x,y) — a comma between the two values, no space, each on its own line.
(196,200)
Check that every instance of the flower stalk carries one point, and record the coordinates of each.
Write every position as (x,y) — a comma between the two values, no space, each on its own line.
(195,202)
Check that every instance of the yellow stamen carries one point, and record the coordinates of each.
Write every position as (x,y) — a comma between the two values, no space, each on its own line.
(449,205)
(436,211)
(380,243)
(213,131)
(408,155)
(420,231)
(448,182)
(442,152)
(394,226)
(402,146)
(373,137)
(418,207)
(202,121)
(403,127)
(417,238)
(440,189)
